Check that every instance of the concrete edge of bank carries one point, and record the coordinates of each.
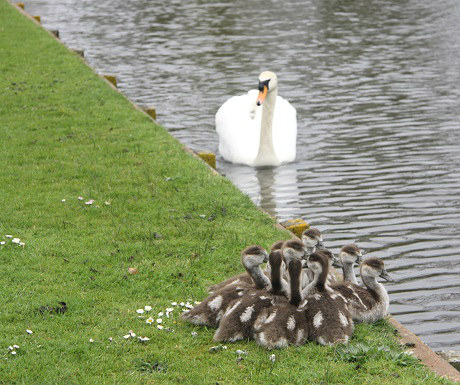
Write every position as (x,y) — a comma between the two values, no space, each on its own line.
(407,338)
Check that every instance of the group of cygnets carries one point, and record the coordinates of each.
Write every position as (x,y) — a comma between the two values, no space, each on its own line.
(297,298)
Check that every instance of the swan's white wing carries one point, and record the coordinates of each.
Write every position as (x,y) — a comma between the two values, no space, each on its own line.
(238,133)
(284,130)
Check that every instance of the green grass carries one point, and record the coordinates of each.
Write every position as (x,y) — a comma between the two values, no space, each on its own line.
(63,134)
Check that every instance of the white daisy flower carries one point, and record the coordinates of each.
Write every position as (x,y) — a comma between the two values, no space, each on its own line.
(107,203)
(16,240)
(188,305)
(160,327)
(22,244)
(143,339)
(63,200)
(272,358)
(10,348)
(169,309)
(140,311)
(182,304)
(110,339)
(28,331)
(224,347)
(147,308)
(194,334)
(127,336)
(80,198)
(159,320)
(132,334)
(2,242)
(174,303)
(8,236)
(196,302)
(13,353)
(91,340)
(16,346)
(160,314)
(241,352)
(149,320)
(90,202)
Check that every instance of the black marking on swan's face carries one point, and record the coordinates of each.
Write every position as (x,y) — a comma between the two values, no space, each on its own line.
(262,84)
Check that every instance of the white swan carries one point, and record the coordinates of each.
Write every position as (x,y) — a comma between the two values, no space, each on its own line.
(254,135)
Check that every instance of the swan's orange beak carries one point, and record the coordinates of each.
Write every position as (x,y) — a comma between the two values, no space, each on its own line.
(262,95)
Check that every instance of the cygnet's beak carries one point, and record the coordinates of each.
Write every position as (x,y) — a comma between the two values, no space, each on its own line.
(386,276)
(263,91)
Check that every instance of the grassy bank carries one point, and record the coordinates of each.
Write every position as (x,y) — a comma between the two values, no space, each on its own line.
(145,204)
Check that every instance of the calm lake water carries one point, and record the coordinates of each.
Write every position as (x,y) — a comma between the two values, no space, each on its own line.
(376,85)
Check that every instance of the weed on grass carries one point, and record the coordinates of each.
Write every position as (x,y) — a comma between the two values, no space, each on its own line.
(360,353)
(150,364)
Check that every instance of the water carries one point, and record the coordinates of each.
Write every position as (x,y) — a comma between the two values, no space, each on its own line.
(376,85)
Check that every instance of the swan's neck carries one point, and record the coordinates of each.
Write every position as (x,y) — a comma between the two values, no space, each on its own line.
(266,154)
(349,274)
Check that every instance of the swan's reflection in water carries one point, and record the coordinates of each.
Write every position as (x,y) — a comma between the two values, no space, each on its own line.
(274,189)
